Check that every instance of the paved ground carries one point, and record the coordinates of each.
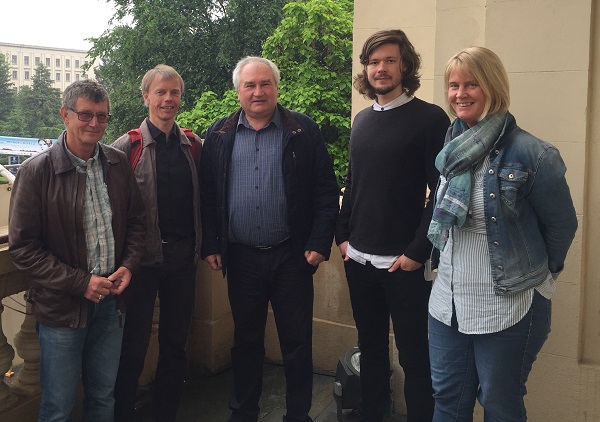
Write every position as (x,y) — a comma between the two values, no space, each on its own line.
(205,399)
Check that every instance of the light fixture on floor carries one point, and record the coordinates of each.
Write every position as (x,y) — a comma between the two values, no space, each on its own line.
(346,388)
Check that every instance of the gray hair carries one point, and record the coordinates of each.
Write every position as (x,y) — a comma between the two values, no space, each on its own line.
(86,88)
(167,72)
(254,59)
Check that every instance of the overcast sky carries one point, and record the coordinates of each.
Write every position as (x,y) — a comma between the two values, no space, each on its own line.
(47,23)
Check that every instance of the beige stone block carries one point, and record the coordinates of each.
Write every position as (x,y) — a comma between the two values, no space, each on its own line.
(564,337)
(549,35)
(553,389)
(387,15)
(209,345)
(459,25)
(589,409)
(330,342)
(332,299)
(551,105)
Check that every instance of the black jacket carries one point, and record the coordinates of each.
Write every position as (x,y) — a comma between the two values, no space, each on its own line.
(312,194)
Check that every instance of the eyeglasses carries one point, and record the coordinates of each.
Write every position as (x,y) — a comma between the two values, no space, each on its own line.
(86,116)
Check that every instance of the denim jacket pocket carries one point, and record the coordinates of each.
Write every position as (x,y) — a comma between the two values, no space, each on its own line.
(510,180)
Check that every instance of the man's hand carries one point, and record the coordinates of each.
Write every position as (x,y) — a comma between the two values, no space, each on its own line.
(313,258)
(405,263)
(120,280)
(343,247)
(214,261)
(98,288)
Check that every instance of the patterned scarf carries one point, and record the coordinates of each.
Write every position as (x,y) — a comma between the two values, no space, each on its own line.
(455,162)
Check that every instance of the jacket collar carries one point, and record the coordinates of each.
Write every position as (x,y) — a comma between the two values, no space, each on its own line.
(62,163)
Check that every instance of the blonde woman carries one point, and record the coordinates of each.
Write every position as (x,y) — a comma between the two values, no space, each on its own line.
(503,221)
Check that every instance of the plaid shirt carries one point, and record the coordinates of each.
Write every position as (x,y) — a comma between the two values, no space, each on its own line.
(97,216)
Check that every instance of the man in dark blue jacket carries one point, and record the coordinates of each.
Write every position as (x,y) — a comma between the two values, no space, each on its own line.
(269,201)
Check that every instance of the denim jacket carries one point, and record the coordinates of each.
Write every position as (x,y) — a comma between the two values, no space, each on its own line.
(529,213)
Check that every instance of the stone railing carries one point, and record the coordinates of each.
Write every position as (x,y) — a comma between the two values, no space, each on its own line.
(19,392)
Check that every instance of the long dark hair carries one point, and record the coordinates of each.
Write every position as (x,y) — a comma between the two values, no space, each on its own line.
(411,60)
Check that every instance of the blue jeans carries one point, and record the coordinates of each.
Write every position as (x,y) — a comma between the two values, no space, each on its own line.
(90,354)
(490,367)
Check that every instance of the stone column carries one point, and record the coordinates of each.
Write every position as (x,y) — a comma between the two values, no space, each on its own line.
(7,354)
(28,347)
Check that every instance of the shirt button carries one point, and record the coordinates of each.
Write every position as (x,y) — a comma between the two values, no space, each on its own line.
(511,176)
(493,219)
(496,152)
(491,171)
(493,195)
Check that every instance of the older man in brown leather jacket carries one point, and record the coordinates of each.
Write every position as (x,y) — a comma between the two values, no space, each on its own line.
(76,227)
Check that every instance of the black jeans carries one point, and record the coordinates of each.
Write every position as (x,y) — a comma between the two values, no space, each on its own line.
(255,278)
(175,283)
(377,294)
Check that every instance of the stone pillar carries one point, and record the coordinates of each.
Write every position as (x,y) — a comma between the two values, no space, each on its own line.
(28,347)
(7,354)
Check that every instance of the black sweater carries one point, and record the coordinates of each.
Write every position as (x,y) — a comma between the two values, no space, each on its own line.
(392,162)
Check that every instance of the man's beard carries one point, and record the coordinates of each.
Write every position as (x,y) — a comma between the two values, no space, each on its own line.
(385,90)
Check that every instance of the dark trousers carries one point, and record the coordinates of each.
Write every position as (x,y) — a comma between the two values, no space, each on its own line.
(377,294)
(255,278)
(174,281)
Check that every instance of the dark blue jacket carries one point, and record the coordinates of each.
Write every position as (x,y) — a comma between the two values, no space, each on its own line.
(312,194)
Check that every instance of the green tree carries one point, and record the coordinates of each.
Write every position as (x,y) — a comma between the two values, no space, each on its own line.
(199,38)
(313,50)
(36,113)
(7,90)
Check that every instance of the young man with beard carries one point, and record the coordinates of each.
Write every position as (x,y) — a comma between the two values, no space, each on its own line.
(383,222)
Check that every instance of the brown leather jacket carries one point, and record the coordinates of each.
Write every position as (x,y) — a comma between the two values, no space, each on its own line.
(46,234)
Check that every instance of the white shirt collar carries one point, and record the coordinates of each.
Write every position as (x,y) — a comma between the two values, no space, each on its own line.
(396,102)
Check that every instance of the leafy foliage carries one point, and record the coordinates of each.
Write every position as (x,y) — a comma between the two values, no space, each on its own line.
(36,112)
(7,89)
(313,50)
(201,39)
(207,110)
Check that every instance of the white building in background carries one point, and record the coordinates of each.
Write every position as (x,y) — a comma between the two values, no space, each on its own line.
(65,65)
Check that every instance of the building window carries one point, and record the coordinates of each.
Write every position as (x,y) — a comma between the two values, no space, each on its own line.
(67,63)
(76,64)
(47,61)
(14,59)
(27,75)
(85,62)
(77,76)
(67,77)
(57,76)
(37,61)
(15,75)
(26,60)
(57,62)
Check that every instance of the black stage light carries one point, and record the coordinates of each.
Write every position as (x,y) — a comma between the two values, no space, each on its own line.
(346,388)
